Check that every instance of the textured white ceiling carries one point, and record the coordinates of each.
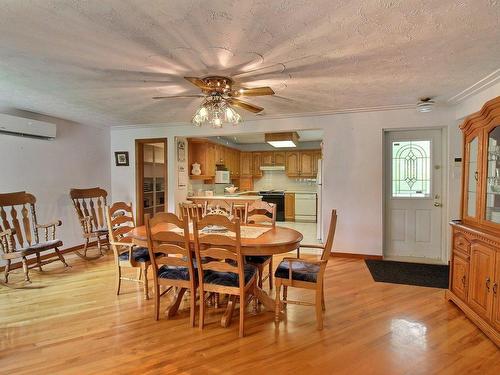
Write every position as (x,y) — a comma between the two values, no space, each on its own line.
(101,61)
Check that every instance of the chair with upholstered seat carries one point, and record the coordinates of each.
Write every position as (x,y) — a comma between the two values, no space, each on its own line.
(260,212)
(89,205)
(21,236)
(305,274)
(171,259)
(224,270)
(120,221)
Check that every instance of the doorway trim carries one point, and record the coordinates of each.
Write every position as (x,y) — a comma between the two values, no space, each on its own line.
(444,193)
(139,175)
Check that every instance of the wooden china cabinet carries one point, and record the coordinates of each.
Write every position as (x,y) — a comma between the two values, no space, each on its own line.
(475,259)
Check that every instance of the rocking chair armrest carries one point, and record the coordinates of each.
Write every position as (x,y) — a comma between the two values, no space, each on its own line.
(313,246)
(56,223)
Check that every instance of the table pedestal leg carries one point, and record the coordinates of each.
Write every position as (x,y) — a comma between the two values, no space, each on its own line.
(174,306)
(264,298)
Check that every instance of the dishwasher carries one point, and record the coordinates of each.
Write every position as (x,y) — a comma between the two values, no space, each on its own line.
(305,207)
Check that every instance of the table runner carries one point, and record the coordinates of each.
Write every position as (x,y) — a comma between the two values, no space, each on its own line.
(246,231)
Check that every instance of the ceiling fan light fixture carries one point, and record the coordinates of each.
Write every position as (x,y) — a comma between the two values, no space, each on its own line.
(216,111)
(282,140)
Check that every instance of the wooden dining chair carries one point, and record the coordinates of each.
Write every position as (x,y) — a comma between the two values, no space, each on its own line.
(193,211)
(240,212)
(224,270)
(120,221)
(218,208)
(260,212)
(171,260)
(89,205)
(20,233)
(306,274)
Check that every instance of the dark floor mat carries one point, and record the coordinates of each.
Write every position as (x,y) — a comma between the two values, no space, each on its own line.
(430,275)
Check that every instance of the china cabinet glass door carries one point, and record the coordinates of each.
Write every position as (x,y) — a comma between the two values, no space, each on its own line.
(492,201)
(472,178)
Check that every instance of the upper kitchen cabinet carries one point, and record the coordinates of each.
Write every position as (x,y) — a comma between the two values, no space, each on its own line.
(220,155)
(202,152)
(279,158)
(267,158)
(292,159)
(302,163)
(306,164)
(256,164)
(246,164)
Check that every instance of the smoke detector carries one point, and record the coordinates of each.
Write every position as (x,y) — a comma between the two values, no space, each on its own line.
(425,105)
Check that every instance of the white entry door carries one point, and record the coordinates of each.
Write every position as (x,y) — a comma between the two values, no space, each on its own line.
(413,201)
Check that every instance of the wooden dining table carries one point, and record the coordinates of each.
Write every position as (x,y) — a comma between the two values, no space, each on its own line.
(277,240)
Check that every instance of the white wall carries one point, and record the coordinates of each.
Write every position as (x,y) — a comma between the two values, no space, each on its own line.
(79,157)
(474,103)
(352,156)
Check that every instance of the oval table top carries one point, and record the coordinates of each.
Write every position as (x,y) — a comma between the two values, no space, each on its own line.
(277,240)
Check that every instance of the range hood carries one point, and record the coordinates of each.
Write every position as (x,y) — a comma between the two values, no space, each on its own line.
(272,168)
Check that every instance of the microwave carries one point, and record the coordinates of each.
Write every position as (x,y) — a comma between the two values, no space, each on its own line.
(222,177)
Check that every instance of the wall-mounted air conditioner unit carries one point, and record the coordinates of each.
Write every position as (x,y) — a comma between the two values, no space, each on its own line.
(24,127)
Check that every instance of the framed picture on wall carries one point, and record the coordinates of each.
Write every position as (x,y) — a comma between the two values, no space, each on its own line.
(181,151)
(121,158)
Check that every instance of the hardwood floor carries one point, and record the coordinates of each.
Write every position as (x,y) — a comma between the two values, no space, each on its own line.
(75,324)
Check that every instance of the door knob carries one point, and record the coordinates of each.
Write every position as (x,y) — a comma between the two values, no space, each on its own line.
(436,201)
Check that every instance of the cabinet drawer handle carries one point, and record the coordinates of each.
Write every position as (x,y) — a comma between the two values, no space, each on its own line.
(463,280)
(488,283)
(476,176)
(495,286)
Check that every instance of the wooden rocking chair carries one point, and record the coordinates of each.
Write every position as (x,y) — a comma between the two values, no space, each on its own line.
(21,238)
(89,205)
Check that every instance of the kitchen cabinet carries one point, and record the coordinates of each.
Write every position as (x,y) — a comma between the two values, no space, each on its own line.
(279,158)
(246,164)
(256,163)
(289,207)
(475,263)
(292,164)
(220,154)
(302,163)
(306,164)
(202,152)
(267,158)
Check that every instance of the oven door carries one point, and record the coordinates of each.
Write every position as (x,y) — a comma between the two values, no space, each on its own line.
(279,201)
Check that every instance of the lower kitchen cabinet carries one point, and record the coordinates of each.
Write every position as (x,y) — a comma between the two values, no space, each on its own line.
(289,207)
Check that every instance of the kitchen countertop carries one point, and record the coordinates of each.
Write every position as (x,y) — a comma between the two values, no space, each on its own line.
(227,198)
(301,192)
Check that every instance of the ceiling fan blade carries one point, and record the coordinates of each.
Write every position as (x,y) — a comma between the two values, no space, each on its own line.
(179,96)
(255,91)
(245,105)
(198,82)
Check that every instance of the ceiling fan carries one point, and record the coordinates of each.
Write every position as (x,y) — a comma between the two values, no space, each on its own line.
(223,89)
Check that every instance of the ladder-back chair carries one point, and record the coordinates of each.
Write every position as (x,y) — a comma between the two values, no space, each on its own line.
(218,208)
(191,210)
(89,205)
(171,259)
(120,221)
(260,212)
(20,233)
(306,274)
(223,270)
